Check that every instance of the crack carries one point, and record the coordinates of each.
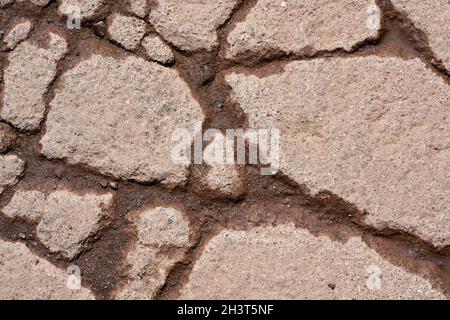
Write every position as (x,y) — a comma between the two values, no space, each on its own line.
(268,200)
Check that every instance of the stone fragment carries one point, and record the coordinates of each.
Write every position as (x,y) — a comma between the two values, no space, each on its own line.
(5,2)
(157,50)
(25,276)
(65,219)
(138,7)
(7,137)
(299,26)
(11,167)
(36,2)
(26,79)
(87,8)
(223,176)
(433,19)
(148,263)
(371,130)
(287,263)
(118,116)
(17,33)
(126,31)
(191,25)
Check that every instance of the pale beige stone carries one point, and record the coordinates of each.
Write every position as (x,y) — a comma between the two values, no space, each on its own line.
(371,130)
(157,50)
(26,204)
(36,2)
(17,33)
(138,7)
(25,276)
(287,263)
(191,25)
(26,79)
(162,226)
(118,116)
(87,8)
(223,175)
(11,167)
(127,31)
(148,264)
(291,26)
(65,219)
(432,17)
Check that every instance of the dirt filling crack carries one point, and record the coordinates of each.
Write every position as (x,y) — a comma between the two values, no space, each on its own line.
(268,200)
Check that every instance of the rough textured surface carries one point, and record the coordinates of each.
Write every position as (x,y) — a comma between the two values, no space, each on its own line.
(148,263)
(11,167)
(7,137)
(66,219)
(191,25)
(295,26)
(374,131)
(30,71)
(157,50)
(18,32)
(138,102)
(23,276)
(88,8)
(222,178)
(36,2)
(432,17)
(138,7)
(288,263)
(127,31)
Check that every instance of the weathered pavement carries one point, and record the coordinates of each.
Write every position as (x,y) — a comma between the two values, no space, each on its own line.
(93,206)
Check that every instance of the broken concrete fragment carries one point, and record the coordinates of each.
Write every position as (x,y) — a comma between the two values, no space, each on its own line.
(36,2)
(86,8)
(157,50)
(162,226)
(5,2)
(371,130)
(17,33)
(191,25)
(138,7)
(11,167)
(25,276)
(223,177)
(287,263)
(26,79)
(65,219)
(118,116)
(126,31)
(26,204)
(298,26)
(148,263)
(7,137)
(433,19)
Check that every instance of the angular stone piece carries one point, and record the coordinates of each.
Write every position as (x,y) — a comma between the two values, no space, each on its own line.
(87,8)
(371,130)
(157,50)
(148,262)
(191,25)
(138,7)
(127,31)
(65,219)
(295,26)
(118,116)
(17,33)
(25,276)
(11,167)
(287,263)
(26,79)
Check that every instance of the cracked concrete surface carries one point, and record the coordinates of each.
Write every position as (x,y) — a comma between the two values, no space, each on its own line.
(93,206)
